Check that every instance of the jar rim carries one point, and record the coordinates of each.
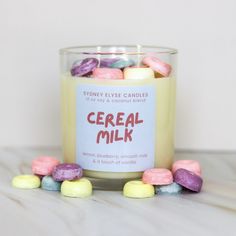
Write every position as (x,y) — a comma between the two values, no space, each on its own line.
(117,50)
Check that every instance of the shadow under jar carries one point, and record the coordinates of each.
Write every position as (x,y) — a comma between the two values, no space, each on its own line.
(116,125)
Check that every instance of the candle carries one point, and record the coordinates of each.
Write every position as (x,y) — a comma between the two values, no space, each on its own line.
(117,128)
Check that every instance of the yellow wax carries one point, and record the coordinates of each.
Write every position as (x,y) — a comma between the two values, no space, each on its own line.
(164,129)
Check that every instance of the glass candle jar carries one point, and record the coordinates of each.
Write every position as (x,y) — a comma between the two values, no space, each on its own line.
(118,110)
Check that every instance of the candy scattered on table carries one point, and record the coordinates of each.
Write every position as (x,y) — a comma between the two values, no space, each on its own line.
(67,171)
(26,181)
(188,179)
(157,176)
(48,183)
(138,73)
(67,178)
(173,188)
(138,189)
(190,165)
(77,188)
(107,73)
(44,165)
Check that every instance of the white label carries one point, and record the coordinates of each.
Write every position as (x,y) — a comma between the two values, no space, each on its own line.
(115,127)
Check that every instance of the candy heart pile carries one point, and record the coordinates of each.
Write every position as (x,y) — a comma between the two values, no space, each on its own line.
(120,68)
(68,178)
(185,174)
(53,176)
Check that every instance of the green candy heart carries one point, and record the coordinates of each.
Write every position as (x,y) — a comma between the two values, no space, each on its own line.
(122,63)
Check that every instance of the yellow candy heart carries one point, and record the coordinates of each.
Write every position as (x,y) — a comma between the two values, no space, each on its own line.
(137,189)
(77,188)
(139,73)
(26,181)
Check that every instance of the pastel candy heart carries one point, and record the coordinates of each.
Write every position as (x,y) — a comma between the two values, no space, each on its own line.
(26,181)
(85,67)
(108,73)
(173,188)
(107,62)
(77,188)
(157,65)
(44,165)
(157,176)
(138,189)
(138,73)
(67,171)
(188,179)
(190,165)
(48,183)
(122,63)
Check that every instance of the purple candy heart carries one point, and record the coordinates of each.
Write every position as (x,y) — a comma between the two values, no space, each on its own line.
(67,171)
(85,67)
(107,62)
(188,180)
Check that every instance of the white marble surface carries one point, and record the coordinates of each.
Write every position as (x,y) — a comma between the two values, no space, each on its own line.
(106,213)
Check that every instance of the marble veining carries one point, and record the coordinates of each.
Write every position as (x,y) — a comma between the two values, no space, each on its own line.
(107,213)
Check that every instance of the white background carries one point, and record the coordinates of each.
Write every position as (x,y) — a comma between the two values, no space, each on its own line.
(204,32)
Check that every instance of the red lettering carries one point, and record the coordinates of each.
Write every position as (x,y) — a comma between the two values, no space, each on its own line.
(137,121)
(100,118)
(117,138)
(130,120)
(128,135)
(109,120)
(103,134)
(112,136)
(119,118)
(89,118)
